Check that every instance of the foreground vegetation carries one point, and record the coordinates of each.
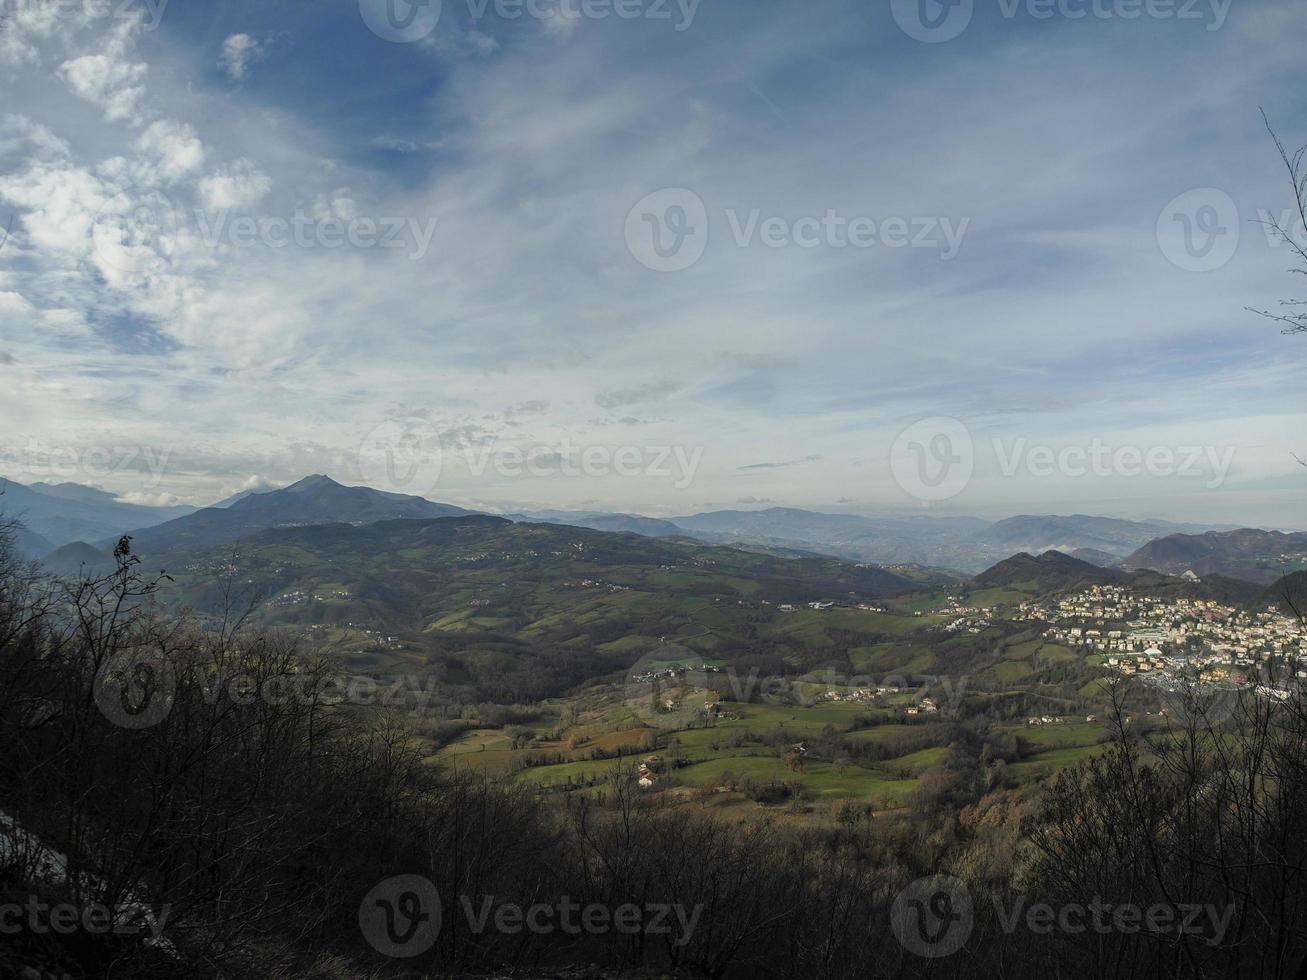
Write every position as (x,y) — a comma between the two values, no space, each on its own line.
(253,828)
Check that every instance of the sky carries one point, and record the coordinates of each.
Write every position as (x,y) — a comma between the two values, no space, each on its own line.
(657,256)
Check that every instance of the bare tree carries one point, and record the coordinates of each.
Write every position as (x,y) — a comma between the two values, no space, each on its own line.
(1290,313)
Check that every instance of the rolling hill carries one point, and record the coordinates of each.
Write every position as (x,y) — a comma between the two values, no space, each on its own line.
(1289,595)
(1248,553)
(521,611)
(1052,571)
(78,558)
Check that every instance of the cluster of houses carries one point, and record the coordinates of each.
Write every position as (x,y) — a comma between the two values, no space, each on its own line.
(1167,637)
(926,706)
(594,583)
(674,672)
(789,607)
(1041,720)
(298,597)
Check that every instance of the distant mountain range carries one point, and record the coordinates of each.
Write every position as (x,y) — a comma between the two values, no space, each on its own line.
(312,501)
(59,514)
(924,548)
(964,544)
(650,527)
(1246,553)
(1105,535)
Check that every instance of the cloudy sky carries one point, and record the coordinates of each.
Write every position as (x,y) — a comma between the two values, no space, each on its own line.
(656,255)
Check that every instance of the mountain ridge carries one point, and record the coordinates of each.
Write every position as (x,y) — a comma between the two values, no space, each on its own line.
(314,500)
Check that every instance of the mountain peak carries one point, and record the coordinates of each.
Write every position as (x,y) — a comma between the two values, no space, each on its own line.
(317,481)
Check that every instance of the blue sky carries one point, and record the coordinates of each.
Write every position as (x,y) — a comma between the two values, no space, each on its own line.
(1022,272)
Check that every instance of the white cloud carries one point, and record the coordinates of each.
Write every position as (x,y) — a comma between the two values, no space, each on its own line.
(17,133)
(13,304)
(114,85)
(171,150)
(60,203)
(239,51)
(238,185)
(144,499)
